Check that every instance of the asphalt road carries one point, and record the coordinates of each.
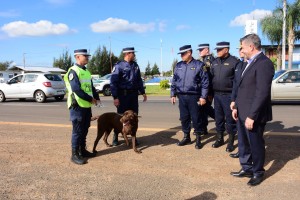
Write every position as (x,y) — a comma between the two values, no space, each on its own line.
(157,113)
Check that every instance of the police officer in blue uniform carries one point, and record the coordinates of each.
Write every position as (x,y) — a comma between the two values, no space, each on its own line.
(207,59)
(190,84)
(81,96)
(126,83)
(223,70)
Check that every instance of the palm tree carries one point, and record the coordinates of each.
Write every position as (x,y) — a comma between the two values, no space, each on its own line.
(293,23)
(272,27)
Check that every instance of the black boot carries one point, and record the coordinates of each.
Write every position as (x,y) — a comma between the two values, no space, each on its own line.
(115,139)
(198,144)
(186,140)
(220,140)
(230,146)
(85,153)
(76,158)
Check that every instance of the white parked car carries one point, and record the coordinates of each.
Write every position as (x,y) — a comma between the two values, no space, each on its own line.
(102,84)
(286,85)
(39,86)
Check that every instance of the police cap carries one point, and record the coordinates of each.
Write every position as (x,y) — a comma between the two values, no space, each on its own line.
(185,48)
(128,50)
(202,46)
(81,52)
(222,45)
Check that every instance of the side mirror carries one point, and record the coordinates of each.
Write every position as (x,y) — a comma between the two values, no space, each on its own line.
(281,80)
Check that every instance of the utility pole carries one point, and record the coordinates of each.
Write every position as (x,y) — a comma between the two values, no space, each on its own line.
(283,35)
(24,60)
(161,67)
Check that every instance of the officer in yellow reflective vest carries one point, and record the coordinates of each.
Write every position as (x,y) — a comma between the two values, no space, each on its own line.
(81,96)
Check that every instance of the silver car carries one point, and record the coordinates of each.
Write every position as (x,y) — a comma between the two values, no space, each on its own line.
(39,86)
(286,85)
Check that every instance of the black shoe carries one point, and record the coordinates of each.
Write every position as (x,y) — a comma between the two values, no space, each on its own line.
(229,148)
(241,174)
(218,143)
(234,155)
(255,180)
(115,143)
(115,140)
(184,141)
(86,154)
(198,144)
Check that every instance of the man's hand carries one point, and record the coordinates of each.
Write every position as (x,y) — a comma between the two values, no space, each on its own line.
(145,97)
(232,105)
(202,101)
(210,98)
(173,100)
(249,123)
(94,101)
(234,114)
(116,102)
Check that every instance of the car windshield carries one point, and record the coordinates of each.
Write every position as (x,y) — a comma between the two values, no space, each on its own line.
(278,73)
(106,77)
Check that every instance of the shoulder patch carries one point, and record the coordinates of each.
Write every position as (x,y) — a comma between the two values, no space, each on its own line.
(113,70)
(71,76)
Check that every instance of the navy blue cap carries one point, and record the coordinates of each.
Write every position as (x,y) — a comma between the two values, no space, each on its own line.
(184,49)
(128,50)
(222,45)
(81,52)
(203,46)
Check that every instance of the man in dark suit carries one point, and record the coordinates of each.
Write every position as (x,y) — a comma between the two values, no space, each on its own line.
(253,109)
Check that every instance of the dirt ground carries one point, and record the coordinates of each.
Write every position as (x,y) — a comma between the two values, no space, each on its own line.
(35,164)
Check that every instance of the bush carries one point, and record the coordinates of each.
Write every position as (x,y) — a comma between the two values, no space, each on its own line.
(164,84)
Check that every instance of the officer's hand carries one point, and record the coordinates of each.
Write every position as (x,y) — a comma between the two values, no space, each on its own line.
(116,102)
(94,101)
(232,105)
(234,114)
(249,123)
(202,101)
(145,97)
(173,100)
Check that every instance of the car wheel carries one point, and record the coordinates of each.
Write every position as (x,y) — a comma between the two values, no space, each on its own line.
(106,91)
(2,96)
(59,98)
(40,96)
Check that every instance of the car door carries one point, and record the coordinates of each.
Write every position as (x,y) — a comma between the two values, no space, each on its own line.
(29,85)
(13,87)
(287,86)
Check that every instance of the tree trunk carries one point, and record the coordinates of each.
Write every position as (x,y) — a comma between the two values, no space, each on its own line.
(291,40)
(279,57)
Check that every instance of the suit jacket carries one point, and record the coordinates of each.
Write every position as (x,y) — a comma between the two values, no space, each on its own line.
(237,78)
(254,90)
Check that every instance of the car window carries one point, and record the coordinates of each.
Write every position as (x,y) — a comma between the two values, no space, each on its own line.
(29,78)
(291,77)
(53,77)
(16,79)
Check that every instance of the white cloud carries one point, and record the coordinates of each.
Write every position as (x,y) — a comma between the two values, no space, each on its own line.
(182,27)
(120,25)
(254,15)
(40,28)
(9,13)
(162,26)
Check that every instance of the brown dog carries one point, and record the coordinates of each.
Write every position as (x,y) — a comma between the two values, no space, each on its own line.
(127,124)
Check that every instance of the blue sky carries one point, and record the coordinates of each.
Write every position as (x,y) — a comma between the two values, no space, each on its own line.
(41,30)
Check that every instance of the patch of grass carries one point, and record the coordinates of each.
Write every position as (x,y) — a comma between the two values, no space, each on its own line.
(156,90)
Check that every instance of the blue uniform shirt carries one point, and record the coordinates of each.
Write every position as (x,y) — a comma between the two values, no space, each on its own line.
(190,78)
(126,76)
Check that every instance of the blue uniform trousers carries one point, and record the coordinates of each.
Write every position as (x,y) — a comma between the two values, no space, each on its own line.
(128,101)
(223,114)
(207,110)
(251,146)
(81,120)
(190,111)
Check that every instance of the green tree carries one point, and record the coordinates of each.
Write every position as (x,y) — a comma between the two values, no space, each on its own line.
(101,62)
(64,61)
(5,65)
(148,70)
(272,27)
(155,70)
